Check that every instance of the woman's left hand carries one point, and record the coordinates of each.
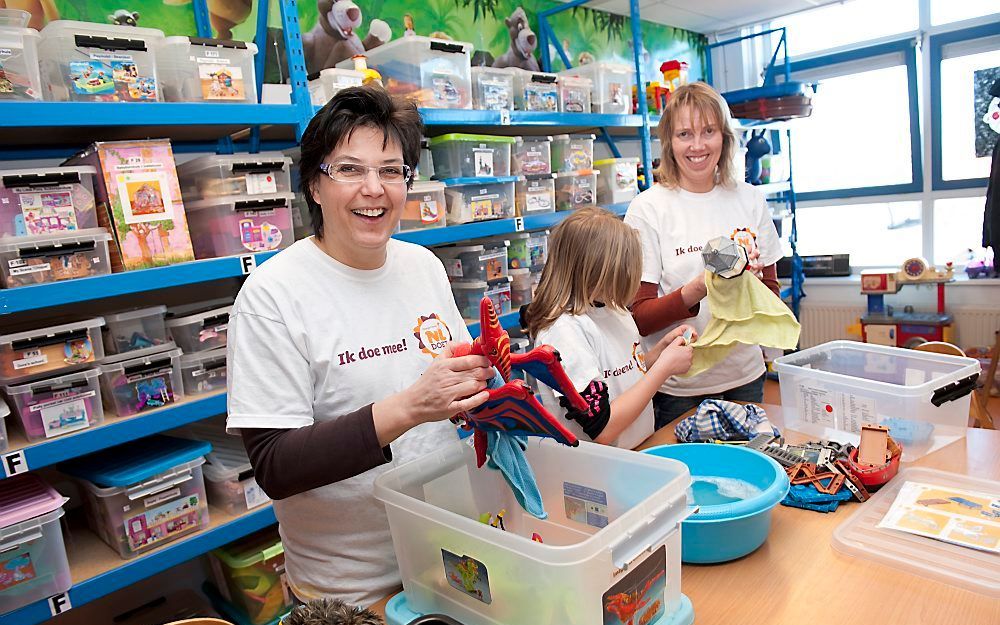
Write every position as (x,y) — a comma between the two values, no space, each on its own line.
(754,265)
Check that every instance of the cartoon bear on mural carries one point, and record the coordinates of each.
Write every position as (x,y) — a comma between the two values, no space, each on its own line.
(333,39)
(522,43)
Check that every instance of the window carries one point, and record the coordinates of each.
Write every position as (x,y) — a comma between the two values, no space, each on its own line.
(947,11)
(960,115)
(848,22)
(875,235)
(958,228)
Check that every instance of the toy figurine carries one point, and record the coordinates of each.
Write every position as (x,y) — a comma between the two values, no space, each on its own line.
(757,147)
(725,257)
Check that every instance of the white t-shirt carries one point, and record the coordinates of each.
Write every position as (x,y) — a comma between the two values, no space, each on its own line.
(601,344)
(674,225)
(311,338)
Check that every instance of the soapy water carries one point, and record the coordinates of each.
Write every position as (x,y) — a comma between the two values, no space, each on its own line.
(710,490)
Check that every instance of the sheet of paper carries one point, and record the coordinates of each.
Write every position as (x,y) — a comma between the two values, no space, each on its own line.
(965,518)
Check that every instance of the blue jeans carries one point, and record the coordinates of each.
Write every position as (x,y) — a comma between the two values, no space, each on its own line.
(667,408)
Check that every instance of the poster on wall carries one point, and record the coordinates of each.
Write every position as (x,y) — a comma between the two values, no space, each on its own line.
(986,107)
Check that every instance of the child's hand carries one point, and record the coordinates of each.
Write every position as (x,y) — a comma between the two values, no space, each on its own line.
(673,360)
(684,331)
(754,265)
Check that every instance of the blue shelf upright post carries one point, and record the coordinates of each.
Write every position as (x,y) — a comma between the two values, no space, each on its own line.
(259,61)
(640,82)
(202,19)
(296,64)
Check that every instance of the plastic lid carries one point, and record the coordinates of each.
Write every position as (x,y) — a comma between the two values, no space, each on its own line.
(573,78)
(67,237)
(519,272)
(198,317)
(67,28)
(426,186)
(27,496)
(182,310)
(530,177)
(458,136)
(461,249)
(469,284)
(529,139)
(486,69)
(575,174)
(249,46)
(447,45)
(135,462)
(47,171)
(62,380)
(458,182)
(206,356)
(612,161)
(136,314)
(272,161)
(250,550)
(570,137)
(141,356)
(244,202)
(96,322)
(14,17)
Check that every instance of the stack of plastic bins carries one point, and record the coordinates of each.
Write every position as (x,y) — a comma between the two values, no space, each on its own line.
(493,88)
(575,189)
(228,473)
(611,91)
(535,195)
(199,331)
(141,380)
(574,94)
(219,175)
(50,351)
(132,330)
(532,156)
(19,57)
(33,563)
(486,262)
(89,62)
(240,224)
(425,206)
(143,494)
(460,155)
(250,575)
(434,72)
(618,180)
(46,200)
(56,406)
(325,84)
(203,372)
(479,199)
(54,257)
(206,70)
(536,91)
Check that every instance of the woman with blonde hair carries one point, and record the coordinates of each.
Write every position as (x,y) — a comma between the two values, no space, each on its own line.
(581,309)
(697,198)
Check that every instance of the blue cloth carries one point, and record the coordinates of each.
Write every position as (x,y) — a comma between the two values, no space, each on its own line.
(506,454)
(726,421)
(806,496)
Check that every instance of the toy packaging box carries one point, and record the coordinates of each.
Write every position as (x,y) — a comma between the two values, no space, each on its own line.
(139,202)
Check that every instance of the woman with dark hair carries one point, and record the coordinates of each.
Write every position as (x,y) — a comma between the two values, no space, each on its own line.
(339,357)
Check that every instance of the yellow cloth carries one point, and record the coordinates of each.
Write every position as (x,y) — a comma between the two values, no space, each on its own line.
(743,310)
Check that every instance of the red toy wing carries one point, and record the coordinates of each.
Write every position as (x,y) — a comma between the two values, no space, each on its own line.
(543,363)
(513,408)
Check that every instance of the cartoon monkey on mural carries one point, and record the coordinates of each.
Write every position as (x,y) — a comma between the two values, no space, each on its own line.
(333,38)
(522,43)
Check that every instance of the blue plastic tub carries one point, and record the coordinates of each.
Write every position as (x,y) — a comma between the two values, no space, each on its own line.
(734,518)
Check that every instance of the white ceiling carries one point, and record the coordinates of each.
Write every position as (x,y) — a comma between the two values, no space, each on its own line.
(707,16)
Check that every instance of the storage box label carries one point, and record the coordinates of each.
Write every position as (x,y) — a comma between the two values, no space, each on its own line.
(145,197)
(67,414)
(166,521)
(585,505)
(220,81)
(252,494)
(16,569)
(30,359)
(263,182)
(49,211)
(467,575)
(638,598)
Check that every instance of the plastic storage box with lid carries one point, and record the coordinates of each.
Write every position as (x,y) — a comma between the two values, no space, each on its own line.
(433,72)
(574,94)
(33,562)
(54,257)
(199,331)
(485,263)
(468,294)
(138,381)
(193,69)
(532,155)
(536,91)
(520,287)
(493,88)
(575,189)
(572,152)
(56,406)
(425,206)
(618,180)
(52,350)
(228,472)
(832,389)
(518,255)
(89,62)
(611,91)
(613,527)
(232,225)
(479,199)
(538,249)
(325,84)
(535,195)
(460,155)
(143,494)
(250,574)
(46,200)
(235,174)
(204,372)
(132,330)
(20,78)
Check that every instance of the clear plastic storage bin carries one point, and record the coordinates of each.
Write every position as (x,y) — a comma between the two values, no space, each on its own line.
(572,152)
(33,563)
(250,575)
(216,175)
(535,195)
(193,69)
(54,257)
(204,372)
(46,200)
(433,72)
(139,381)
(228,472)
(425,206)
(613,529)
(132,330)
(532,155)
(520,287)
(144,494)
(4,413)
(200,331)
(611,90)
(832,389)
(468,294)
(52,350)
(19,57)
(325,84)
(232,225)
(90,62)
(518,256)
(475,262)
(56,406)
(575,189)
(538,249)
(618,180)
(493,88)
(479,199)
(574,94)
(536,91)
(460,155)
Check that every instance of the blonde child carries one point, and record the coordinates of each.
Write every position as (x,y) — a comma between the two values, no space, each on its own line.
(581,308)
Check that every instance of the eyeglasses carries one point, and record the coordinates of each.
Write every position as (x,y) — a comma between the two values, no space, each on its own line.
(355,172)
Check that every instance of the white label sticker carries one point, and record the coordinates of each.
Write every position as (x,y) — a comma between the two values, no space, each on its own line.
(453,267)
(161,497)
(59,603)
(519,224)
(253,494)
(15,463)
(817,406)
(856,410)
(484,162)
(145,197)
(212,56)
(504,117)
(429,211)
(264,182)
(585,505)
(31,359)
(65,415)
(20,271)
(248,263)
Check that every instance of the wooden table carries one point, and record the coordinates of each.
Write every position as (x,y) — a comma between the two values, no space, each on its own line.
(796,578)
